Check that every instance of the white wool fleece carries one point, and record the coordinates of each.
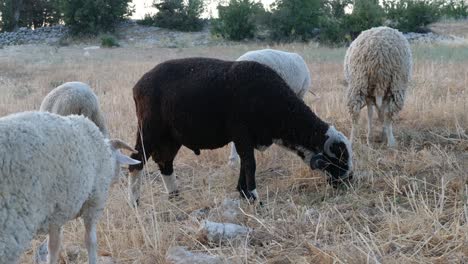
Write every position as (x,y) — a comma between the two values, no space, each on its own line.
(289,66)
(52,169)
(75,98)
(378,64)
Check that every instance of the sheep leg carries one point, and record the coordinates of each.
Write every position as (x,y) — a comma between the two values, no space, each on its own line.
(388,130)
(55,238)
(169,178)
(355,126)
(370,112)
(165,159)
(233,157)
(247,184)
(136,171)
(90,236)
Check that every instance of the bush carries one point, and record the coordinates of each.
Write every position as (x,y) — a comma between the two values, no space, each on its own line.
(108,41)
(295,19)
(93,16)
(366,14)
(238,20)
(175,14)
(333,29)
(456,9)
(411,15)
(148,20)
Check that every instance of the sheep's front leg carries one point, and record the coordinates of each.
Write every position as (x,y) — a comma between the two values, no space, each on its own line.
(90,218)
(233,157)
(134,187)
(354,126)
(169,178)
(55,239)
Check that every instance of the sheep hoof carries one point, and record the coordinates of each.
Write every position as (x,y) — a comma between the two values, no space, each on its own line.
(250,196)
(173,194)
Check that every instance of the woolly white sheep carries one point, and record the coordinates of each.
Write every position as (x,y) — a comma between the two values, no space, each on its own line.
(291,67)
(75,98)
(377,68)
(52,170)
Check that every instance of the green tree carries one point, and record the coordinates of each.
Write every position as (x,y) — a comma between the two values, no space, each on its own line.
(412,15)
(366,14)
(10,11)
(296,19)
(93,16)
(238,20)
(180,15)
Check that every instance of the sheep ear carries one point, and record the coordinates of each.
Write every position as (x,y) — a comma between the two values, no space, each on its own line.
(318,162)
(125,160)
(119,144)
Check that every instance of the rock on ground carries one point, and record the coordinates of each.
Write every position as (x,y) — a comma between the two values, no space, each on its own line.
(180,255)
(219,232)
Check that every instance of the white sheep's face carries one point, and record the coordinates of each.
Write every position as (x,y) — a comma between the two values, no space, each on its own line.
(336,159)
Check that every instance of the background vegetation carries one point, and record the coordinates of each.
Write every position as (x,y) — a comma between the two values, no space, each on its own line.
(331,21)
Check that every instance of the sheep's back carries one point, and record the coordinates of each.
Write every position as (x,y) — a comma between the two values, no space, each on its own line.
(289,66)
(75,98)
(212,99)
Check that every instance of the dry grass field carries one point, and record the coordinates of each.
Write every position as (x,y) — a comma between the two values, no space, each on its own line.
(408,205)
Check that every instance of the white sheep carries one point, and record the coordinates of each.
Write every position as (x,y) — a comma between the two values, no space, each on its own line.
(75,98)
(377,68)
(291,67)
(52,170)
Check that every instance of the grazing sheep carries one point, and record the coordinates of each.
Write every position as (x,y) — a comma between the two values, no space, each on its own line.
(75,98)
(289,66)
(204,103)
(52,170)
(377,68)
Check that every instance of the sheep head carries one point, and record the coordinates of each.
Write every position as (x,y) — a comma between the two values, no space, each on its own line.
(336,159)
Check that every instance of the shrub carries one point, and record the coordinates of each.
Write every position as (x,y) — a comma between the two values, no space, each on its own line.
(295,19)
(148,20)
(238,20)
(411,15)
(333,29)
(93,16)
(175,14)
(456,9)
(108,41)
(366,14)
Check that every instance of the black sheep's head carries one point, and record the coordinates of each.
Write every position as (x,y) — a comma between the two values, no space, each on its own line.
(336,159)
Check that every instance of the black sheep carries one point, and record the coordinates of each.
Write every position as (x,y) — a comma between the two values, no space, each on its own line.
(204,103)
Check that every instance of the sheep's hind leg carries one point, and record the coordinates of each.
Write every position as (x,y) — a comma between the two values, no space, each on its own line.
(388,130)
(370,132)
(247,184)
(55,239)
(233,157)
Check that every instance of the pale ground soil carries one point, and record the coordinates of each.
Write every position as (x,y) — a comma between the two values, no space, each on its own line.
(407,205)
